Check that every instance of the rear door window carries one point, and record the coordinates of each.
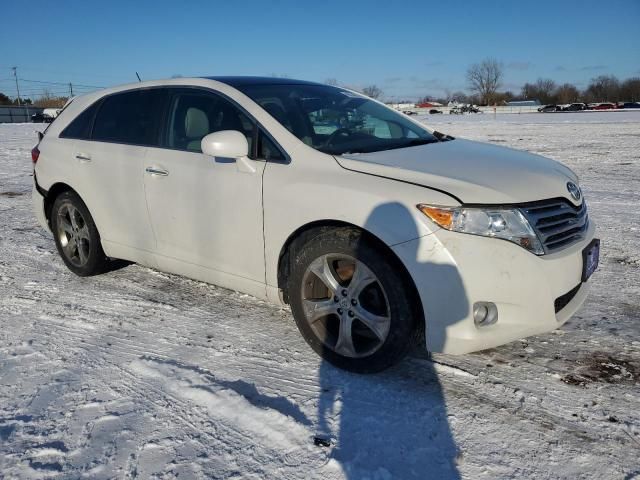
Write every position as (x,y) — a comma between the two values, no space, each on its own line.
(131,117)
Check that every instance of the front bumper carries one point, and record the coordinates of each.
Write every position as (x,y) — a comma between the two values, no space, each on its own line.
(452,271)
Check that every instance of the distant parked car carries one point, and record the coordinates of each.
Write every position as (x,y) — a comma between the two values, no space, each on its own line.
(574,107)
(409,112)
(631,105)
(460,109)
(549,108)
(48,115)
(434,111)
(51,113)
(604,106)
(37,117)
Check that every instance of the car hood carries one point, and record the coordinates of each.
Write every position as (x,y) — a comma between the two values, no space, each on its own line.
(471,171)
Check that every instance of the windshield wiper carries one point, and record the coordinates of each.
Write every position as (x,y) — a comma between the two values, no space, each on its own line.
(443,137)
(421,141)
(412,143)
(381,148)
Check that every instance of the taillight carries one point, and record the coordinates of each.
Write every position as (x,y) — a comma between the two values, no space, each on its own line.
(35,154)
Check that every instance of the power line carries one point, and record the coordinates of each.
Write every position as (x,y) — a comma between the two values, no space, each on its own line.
(44,92)
(83,74)
(41,88)
(60,83)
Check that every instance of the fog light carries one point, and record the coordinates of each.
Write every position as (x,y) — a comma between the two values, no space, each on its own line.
(485,313)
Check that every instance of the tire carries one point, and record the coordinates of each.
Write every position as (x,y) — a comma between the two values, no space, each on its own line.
(343,285)
(76,236)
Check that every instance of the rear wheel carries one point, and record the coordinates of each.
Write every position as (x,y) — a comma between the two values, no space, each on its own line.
(351,302)
(76,235)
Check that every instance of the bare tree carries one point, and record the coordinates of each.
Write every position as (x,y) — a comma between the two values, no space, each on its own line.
(460,97)
(485,78)
(502,98)
(605,88)
(331,81)
(546,87)
(372,91)
(630,90)
(529,91)
(542,90)
(426,99)
(567,93)
(433,99)
(48,100)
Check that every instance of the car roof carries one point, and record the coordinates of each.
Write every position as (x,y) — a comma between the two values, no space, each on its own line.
(245,81)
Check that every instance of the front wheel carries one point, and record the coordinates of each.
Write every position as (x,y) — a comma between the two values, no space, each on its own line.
(353,304)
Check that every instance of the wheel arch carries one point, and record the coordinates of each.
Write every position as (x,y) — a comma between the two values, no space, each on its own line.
(299,237)
(54,192)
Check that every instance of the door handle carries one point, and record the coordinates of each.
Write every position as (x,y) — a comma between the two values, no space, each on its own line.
(83,157)
(156,171)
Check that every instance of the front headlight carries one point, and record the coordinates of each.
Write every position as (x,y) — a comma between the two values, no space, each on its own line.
(506,223)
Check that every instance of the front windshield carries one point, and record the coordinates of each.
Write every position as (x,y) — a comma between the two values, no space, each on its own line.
(337,121)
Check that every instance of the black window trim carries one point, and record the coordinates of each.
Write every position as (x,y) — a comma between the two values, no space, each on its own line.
(165,120)
(258,127)
(131,144)
(96,104)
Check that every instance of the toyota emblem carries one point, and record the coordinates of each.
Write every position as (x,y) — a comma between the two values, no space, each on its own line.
(574,190)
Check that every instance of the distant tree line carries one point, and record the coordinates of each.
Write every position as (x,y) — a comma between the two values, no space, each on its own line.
(5,100)
(605,88)
(485,80)
(46,100)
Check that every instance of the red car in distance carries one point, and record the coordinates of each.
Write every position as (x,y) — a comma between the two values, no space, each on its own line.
(604,106)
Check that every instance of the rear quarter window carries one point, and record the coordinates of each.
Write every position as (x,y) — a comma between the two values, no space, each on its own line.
(80,127)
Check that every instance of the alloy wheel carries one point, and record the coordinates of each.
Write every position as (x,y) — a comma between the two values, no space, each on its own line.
(345,305)
(73,234)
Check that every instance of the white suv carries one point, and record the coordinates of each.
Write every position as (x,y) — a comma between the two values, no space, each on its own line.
(378,232)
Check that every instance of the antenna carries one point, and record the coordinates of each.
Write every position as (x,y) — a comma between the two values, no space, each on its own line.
(139,79)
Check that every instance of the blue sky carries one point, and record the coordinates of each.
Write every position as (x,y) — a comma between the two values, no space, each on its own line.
(409,49)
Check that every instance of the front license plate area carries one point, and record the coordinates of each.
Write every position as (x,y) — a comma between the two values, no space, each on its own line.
(590,259)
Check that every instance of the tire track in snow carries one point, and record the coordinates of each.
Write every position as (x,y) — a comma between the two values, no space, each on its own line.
(134,349)
(224,438)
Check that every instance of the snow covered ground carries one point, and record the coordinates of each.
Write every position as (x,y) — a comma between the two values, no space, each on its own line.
(139,374)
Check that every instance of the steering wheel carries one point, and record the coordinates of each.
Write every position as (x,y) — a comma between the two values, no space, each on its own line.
(339,132)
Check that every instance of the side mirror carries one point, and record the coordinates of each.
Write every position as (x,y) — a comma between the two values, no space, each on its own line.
(226,144)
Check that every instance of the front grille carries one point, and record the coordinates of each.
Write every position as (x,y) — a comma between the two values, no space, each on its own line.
(558,223)
(563,300)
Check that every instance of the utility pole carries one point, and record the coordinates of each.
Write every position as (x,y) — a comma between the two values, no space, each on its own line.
(17,87)
(70,90)
(15,74)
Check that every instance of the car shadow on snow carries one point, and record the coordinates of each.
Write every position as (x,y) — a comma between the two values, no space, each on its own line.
(393,424)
